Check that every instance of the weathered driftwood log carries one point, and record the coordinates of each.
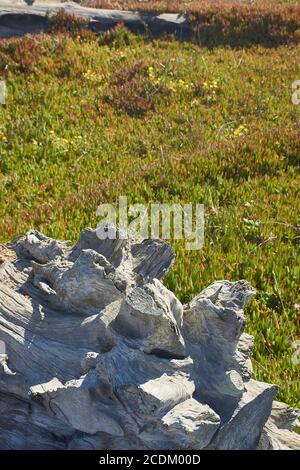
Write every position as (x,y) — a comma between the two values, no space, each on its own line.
(19,19)
(95,353)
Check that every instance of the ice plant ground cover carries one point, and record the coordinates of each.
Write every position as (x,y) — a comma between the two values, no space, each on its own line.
(231,22)
(88,120)
(179,5)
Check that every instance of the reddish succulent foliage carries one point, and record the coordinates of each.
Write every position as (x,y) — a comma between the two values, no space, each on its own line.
(133,91)
(23,54)
(117,36)
(63,22)
(232,22)
(243,25)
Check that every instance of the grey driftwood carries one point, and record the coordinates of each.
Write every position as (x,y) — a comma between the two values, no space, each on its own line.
(19,19)
(96,353)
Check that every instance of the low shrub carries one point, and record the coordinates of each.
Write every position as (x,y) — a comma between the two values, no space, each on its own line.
(21,54)
(244,25)
(229,22)
(116,37)
(64,22)
(134,90)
